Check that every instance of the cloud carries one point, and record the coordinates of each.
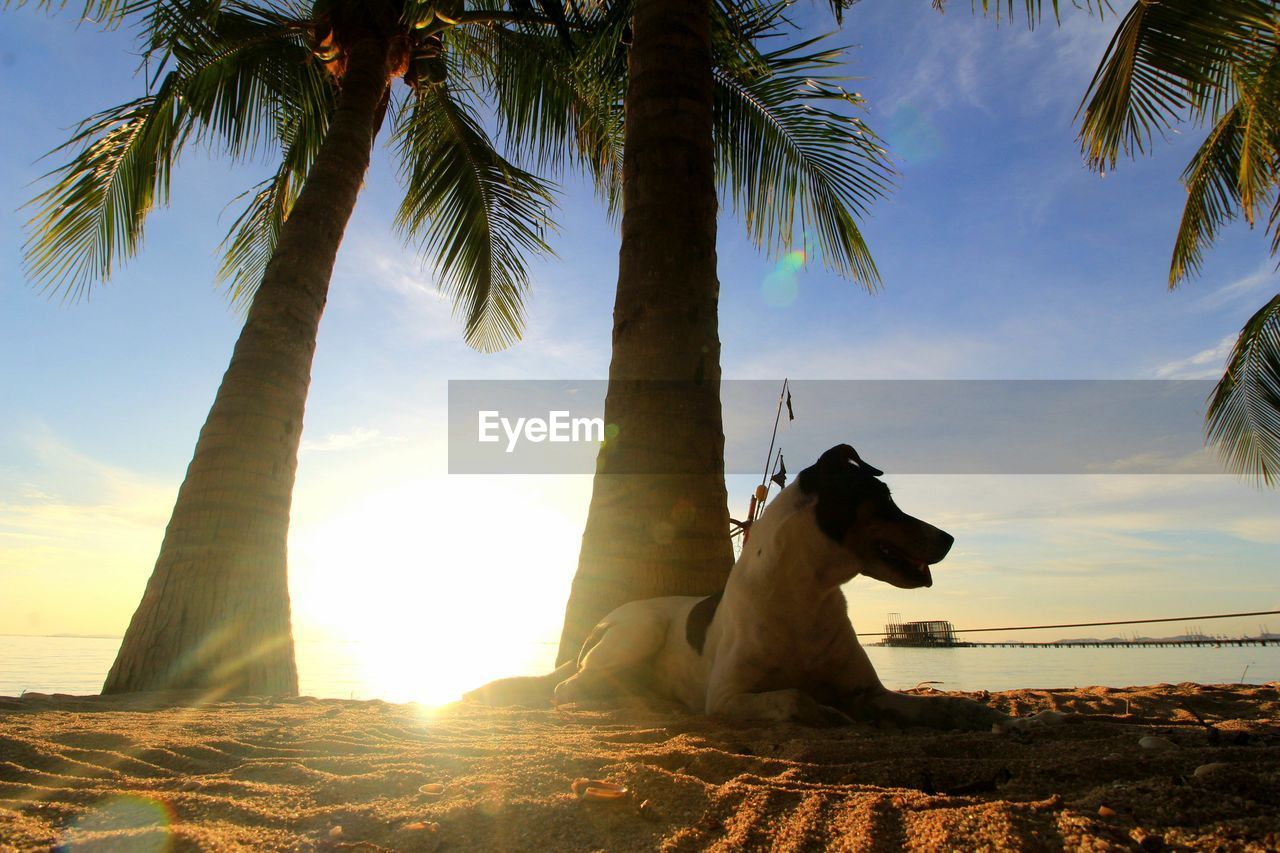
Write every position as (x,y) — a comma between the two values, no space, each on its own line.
(1196,462)
(353,439)
(1206,364)
(1264,275)
(1257,528)
(71,482)
(950,60)
(896,355)
(947,72)
(377,264)
(75,551)
(551,343)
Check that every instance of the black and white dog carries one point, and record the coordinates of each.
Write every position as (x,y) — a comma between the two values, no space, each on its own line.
(777,643)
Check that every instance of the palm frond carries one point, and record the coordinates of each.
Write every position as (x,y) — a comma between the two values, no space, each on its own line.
(1213,194)
(738,29)
(473,211)
(554,104)
(792,157)
(1033,11)
(1243,418)
(1235,169)
(109,13)
(243,68)
(252,238)
(1167,59)
(226,77)
(91,218)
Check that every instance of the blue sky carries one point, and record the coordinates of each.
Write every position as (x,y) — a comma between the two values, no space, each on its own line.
(1002,258)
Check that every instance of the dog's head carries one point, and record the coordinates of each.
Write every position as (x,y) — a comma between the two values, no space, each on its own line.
(853,509)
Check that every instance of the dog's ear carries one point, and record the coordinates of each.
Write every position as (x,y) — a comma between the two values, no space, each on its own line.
(866,467)
(837,463)
(839,481)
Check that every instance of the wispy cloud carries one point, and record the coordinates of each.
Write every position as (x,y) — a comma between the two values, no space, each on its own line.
(895,355)
(551,344)
(75,551)
(379,264)
(1206,364)
(1227,294)
(71,481)
(947,72)
(353,439)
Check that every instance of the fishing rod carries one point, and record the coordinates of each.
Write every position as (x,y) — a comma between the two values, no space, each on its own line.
(774,468)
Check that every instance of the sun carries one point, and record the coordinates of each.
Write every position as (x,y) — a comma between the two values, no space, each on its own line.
(388,606)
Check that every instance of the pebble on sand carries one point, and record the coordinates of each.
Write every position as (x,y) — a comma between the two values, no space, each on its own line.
(1155,742)
(1206,769)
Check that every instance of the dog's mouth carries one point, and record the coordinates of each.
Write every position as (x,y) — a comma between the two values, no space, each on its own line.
(905,563)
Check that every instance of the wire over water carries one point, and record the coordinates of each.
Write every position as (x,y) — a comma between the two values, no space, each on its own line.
(1096,624)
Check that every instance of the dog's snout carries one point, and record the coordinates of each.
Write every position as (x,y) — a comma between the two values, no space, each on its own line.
(934,542)
(945,541)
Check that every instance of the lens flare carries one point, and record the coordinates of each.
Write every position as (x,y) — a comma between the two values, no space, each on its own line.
(137,822)
(781,287)
(912,135)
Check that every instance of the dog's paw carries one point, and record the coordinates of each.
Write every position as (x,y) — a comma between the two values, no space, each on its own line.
(1035,721)
(568,692)
(822,716)
(529,692)
(804,709)
(788,705)
(967,715)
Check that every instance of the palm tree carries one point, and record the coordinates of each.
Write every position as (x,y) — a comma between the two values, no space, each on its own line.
(772,128)
(316,84)
(215,614)
(1217,65)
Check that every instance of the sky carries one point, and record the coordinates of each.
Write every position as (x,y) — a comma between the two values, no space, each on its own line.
(1002,257)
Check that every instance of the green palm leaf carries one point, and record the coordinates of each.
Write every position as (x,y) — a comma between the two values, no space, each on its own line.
(1033,10)
(109,13)
(555,105)
(792,157)
(1167,58)
(251,240)
(1213,193)
(91,217)
(236,77)
(1243,418)
(243,69)
(472,211)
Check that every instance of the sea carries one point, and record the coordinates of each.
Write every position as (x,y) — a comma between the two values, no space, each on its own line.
(334,669)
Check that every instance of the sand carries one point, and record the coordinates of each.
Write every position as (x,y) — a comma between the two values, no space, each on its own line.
(137,773)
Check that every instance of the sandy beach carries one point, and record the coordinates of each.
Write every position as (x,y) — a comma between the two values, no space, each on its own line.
(137,773)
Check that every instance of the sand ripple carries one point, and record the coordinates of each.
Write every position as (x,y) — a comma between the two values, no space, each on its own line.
(138,773)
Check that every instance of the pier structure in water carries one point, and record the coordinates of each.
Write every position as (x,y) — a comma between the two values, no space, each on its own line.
(940,633)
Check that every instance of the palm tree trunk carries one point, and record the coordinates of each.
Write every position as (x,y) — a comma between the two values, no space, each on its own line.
(215,614)
(658,523)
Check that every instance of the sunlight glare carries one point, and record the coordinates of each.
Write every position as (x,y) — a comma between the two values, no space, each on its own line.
(411,612)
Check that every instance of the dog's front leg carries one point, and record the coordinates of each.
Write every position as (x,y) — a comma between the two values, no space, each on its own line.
(780,705)
(935,712)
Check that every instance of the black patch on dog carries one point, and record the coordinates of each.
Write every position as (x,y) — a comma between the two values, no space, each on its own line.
(841,481)
(695,629)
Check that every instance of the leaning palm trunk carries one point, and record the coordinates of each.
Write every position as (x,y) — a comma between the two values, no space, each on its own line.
(215,614)
(658,522)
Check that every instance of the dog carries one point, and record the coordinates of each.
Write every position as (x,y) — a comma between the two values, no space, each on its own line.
(776,644)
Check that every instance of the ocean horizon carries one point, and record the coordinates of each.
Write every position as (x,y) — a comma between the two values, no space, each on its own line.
(338,669)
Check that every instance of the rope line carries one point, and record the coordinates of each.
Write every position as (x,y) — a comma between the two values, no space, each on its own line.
(777,419)
(1097,624)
